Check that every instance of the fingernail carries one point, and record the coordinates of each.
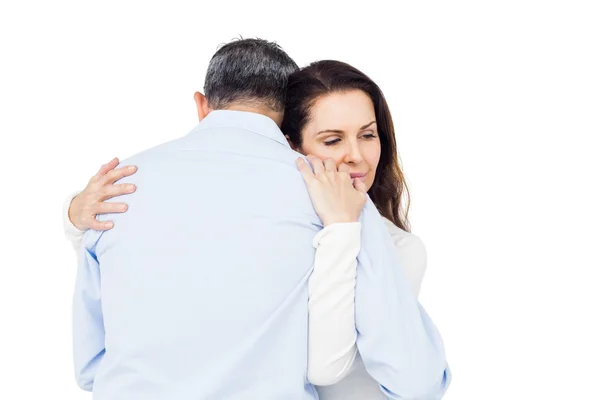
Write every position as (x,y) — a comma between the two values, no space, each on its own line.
(131,167)
(130,187)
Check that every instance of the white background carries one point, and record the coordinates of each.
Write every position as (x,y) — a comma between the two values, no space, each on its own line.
(497,110)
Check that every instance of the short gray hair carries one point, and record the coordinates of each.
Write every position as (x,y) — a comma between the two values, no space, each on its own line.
(248,70)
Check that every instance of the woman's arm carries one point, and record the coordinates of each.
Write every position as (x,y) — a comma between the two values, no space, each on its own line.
(338,200)
(332,332)
(331,329)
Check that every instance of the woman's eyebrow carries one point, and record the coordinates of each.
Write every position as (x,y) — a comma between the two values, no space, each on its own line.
(367,125)
(340,131)
(330,131)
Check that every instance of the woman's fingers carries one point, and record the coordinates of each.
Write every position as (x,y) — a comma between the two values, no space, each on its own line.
(116,174)
(89,203)
(330,166)
(360,185)
(331,191)
(103,208)
(107,208)
(344,168)
(305,170)
(105,168)
(110,191)
(100,225)
(317,165)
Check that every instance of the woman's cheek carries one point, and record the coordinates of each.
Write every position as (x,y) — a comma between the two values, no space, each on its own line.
(326,152)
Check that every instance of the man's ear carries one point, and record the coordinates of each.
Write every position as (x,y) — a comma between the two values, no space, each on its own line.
(201,105)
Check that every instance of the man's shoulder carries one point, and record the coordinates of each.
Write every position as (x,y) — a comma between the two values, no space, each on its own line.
(148,155)
(404,240)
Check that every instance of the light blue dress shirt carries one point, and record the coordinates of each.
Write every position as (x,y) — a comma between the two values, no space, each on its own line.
(200,289)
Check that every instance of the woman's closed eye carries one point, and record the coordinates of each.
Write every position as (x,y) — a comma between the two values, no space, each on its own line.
(332,142)
(369,136)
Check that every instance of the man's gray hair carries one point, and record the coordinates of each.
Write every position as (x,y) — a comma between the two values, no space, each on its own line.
(252,71)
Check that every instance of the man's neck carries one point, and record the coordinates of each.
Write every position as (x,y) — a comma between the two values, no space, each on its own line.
(267,112)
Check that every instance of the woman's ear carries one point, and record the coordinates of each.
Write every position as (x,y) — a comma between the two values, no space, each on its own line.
(201,105)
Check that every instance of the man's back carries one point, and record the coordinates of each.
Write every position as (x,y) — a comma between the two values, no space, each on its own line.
(202,283)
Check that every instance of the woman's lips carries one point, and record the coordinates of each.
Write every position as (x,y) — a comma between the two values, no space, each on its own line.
(358,175)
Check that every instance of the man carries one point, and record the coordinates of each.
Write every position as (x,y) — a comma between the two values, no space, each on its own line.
(200,289)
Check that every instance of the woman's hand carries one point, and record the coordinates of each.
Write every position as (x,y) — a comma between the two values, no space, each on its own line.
(335,196)
(90,202)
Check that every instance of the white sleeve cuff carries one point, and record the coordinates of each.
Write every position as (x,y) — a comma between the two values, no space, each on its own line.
(71,232)
(337,231)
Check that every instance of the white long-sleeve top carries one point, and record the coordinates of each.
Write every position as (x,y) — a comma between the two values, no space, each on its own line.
(334,364)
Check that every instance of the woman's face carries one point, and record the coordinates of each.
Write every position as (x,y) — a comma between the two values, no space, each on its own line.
(342,126)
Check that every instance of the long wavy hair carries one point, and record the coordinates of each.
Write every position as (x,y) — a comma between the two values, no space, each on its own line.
(389,191)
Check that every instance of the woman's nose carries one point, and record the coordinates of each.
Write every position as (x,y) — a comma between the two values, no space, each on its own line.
(353,154)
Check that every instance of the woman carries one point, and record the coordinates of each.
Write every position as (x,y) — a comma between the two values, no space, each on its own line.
(339,117)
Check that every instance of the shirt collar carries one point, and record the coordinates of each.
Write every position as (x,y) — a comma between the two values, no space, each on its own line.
(249,121)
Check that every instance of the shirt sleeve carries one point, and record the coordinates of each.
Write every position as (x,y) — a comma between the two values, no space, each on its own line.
(399,344)
(88,323)
(331,327)
(72,234)
(412,256)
